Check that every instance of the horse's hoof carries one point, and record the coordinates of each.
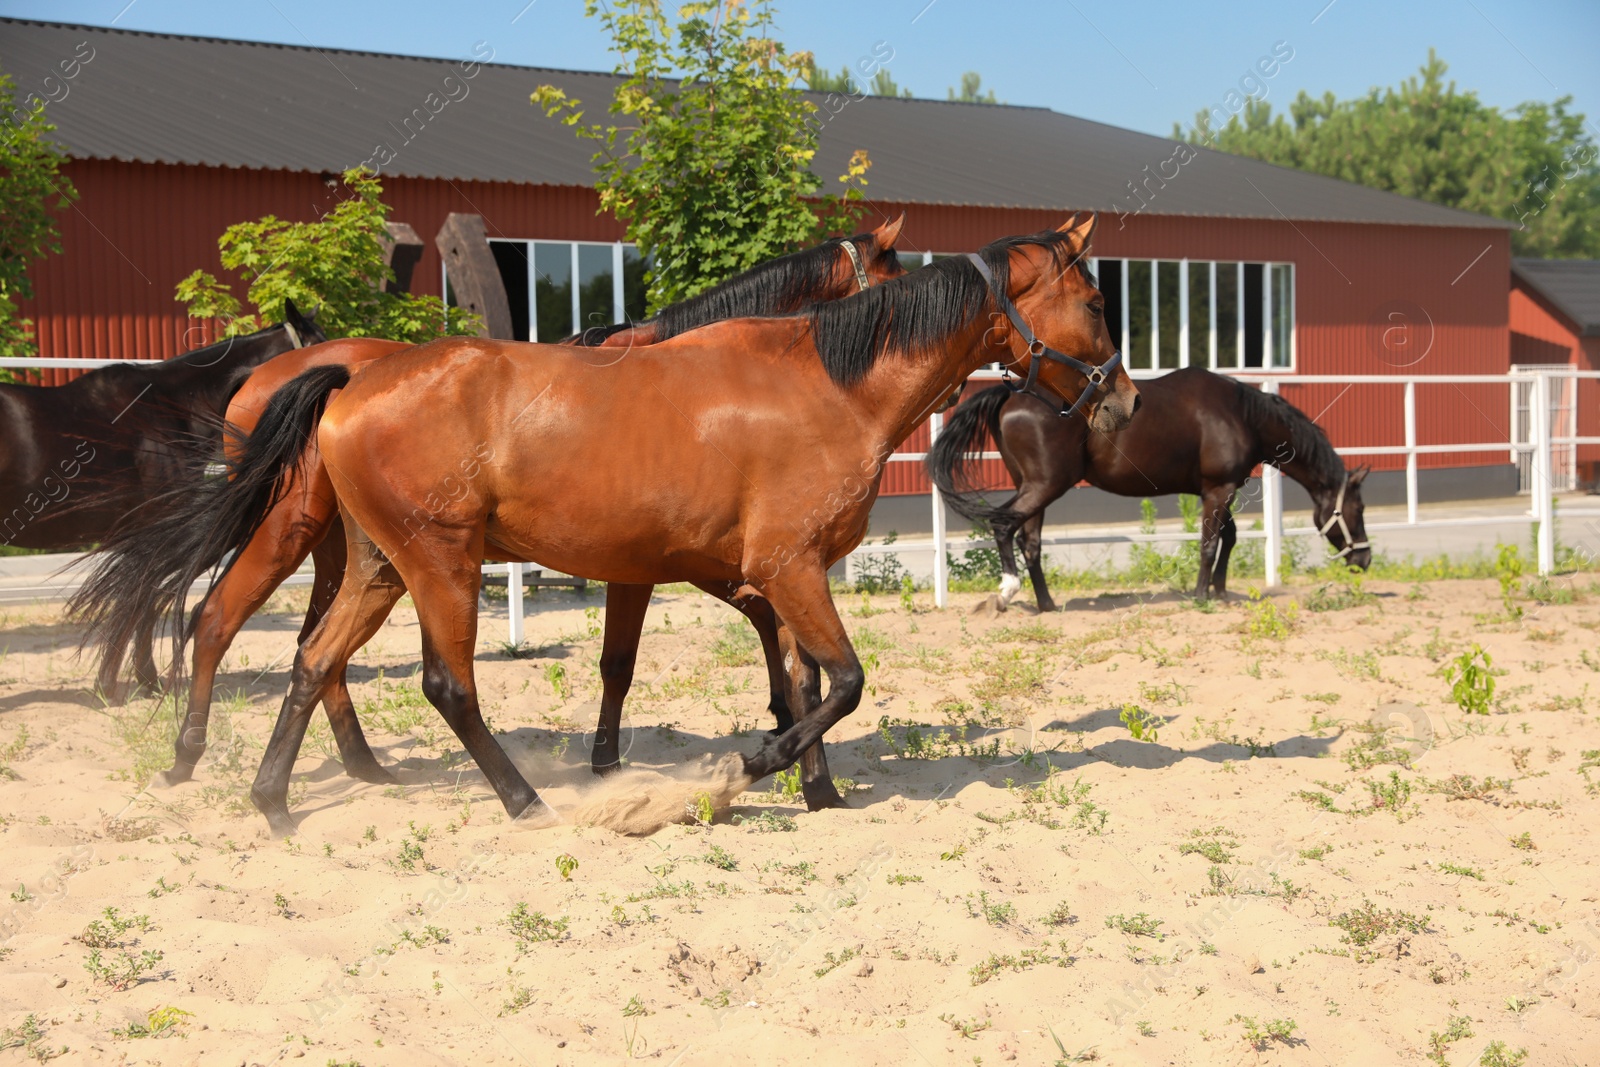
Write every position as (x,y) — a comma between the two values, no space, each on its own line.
(177,774)
(280,824)
(821,795)
(370,772)
(536,816)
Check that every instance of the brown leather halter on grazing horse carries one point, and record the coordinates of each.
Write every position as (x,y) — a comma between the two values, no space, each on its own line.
(745,452)
(150,566)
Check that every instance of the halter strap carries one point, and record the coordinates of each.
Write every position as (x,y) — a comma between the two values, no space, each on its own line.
(1098,376)
(1337,518)
(855,261)
(294,335)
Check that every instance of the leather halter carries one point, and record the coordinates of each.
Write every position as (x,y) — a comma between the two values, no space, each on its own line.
(855,261)
(1337,518)
(294,335)
(1098,376)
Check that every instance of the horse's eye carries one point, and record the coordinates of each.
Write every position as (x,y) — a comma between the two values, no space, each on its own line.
(1097,309)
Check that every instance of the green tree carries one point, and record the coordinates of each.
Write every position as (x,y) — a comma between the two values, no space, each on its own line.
(971,91)
(882,83)
(712,172)
(333,266)
(32,189)
(1533,164)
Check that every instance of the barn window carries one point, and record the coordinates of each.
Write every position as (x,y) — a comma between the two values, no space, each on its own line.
(556,288)
(1167,313)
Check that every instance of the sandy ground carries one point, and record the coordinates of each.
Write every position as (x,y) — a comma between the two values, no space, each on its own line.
(1319,859)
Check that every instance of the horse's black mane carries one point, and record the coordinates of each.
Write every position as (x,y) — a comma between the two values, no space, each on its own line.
(209,354)
(919,312)
(1310,445)
(777,287)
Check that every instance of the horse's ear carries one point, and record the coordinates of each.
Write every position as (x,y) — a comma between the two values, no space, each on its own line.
(292,315)
(1359,475)
(889,232)
(1082,230)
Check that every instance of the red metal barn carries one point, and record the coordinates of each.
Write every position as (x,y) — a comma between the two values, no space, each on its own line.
(1555,321)
(1205,258)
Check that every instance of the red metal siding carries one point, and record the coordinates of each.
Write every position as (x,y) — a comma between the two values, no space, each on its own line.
(139,228)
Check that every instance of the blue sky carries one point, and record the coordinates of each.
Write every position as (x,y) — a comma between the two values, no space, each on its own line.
(1141,66)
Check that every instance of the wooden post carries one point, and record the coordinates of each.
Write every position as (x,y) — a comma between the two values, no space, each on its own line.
(402,250)
(474,278)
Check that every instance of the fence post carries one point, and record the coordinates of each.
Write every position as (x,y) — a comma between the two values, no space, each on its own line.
(941,577)
(1411,450)
(1543,474)
(514,603)
(1272,510)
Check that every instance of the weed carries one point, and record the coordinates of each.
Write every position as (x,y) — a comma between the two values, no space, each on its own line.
(993,914)
(1259,1035)
(903,879)
(1465,787)
(1264,621)
(1060,915)
(30,1038)
(1508,572)
(1344,591)
(159,1022)
(1140,723)
(832,962)
(124,970)
(996,963)
(786,784)
(1140,925)
(281,903)
(1316,852)
(1364,925)
(531,927)
(566,863)
(521,997)
(1524,841)
(736,646)
(1460,1029)
(107,931)
(768,822)
(719,857)
(1210,844)
(1392,796)
(969,1028)
(1498,1054)
(1471,679)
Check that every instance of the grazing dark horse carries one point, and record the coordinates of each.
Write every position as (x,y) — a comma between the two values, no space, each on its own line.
(1197,432)
(748,452)
(75,459)
(149,568)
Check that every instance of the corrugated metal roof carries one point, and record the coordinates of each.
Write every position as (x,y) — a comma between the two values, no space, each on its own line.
(160,98)
(1572,285)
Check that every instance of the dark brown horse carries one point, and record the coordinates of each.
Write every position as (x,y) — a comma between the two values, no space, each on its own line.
(744,453)
(151,565)
(75,459)
(1197,432)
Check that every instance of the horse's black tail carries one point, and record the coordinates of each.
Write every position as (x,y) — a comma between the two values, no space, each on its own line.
(144,569)
(950,459)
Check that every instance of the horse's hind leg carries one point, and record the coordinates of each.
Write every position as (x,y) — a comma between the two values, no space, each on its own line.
(1005,532)
(1217,536)
(759,611)
(273,552)
(370,589)
(1031,534)
(625,610)
(146,680)
(444,586)
(805,694)
(354,752)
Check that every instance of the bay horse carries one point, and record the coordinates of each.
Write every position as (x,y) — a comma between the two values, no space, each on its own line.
(1197,432)
(149,567)
(748,452)
(76,459)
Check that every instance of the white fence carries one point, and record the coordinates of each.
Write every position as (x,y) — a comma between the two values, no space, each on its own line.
(1537,399)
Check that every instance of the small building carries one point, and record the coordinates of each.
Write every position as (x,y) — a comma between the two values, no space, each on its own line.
(1555,321)
(1205,258)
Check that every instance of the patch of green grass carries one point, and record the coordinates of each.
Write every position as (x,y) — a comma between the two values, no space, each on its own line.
(1259,1035)
(1212,844)
(1364,925)
(532,927)
(1022,961)
(158,1022)
(1498,1054)
(768,822)
(832,962)
(1140,925)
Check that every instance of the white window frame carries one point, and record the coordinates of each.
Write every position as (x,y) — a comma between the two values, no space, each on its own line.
(618,296)
(1188,356)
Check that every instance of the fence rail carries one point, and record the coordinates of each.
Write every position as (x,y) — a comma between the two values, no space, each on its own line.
(1540,446)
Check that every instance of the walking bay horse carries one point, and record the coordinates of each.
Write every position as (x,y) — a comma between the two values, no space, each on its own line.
(746,452)
(149,567)
(1197,432)
(75,459)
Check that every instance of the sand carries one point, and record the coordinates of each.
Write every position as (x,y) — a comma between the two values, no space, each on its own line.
(1317,836)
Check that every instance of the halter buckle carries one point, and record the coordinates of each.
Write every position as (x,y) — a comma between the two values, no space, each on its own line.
(1036,348)
(1096,376)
